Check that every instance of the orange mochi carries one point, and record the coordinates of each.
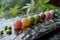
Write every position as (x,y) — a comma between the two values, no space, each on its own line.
(25,22)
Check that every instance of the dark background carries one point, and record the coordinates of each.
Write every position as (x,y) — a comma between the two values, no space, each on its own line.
(55,2)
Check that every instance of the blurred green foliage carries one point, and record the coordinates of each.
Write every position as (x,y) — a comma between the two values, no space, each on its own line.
(2,8)
(11,7)
(18,6)
(30,6)
(44,6)
(12,2)
(15,10)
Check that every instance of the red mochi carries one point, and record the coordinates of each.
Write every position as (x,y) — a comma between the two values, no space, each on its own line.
(17,25)
(48,16)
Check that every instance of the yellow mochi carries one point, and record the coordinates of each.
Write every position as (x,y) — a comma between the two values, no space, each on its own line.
(25,22)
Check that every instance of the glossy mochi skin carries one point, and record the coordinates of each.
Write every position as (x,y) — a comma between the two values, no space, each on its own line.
(32,19)
(48,15)
(42,15)
(25,22)
(18,25)
(52,12)
(37,18)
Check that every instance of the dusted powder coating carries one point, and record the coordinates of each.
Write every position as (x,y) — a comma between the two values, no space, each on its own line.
(48,15)
(32,19)
(37,18)
(25,22)
(18,24)
(42,15)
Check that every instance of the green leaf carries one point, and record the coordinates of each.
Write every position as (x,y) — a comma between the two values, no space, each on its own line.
(15,10)
(32,2)
(44,9)
(44,6)
(44,1)
(2,8)
(28,10)
(51,6)
(25,7)
(33,9)
(30,6)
